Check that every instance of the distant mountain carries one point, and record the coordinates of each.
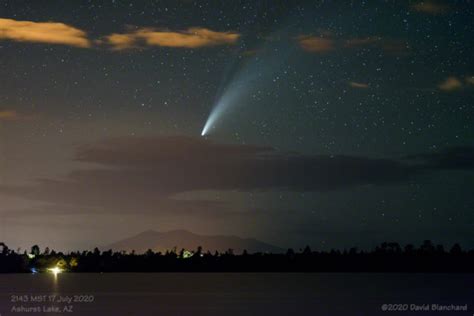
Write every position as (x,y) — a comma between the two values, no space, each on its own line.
(163,241)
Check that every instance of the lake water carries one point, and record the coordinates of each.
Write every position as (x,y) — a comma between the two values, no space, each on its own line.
(235,294)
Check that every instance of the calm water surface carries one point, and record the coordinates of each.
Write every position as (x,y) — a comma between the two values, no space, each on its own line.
(234,294)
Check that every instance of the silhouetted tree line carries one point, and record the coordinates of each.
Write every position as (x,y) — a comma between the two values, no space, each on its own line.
(387,257)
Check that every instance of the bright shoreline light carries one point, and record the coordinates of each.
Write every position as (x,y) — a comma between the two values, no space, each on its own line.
(55,270)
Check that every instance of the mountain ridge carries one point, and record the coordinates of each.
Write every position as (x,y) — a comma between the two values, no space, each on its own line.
(184,239)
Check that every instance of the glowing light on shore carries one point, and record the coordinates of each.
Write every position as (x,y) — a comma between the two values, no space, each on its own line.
(55,270)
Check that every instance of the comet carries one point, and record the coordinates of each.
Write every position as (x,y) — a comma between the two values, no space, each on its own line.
(225,104)
(254,73)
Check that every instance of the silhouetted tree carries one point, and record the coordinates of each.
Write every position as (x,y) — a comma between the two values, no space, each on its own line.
(35,250)
(427,247)
(456,249)
(290,253)
(439,249)
(307,251)
(5,249)
(394,247)
(409,249)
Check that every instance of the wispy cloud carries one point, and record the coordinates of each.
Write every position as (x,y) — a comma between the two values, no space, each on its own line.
(147,174)
(326,42)
(430,7)
(470,80)
(357,42)
(396,47)
(191,38)
(8,115)
(12,115)
(450,84)
(315,44)
(358,85)
(391,46)
(139,174)
(43,32)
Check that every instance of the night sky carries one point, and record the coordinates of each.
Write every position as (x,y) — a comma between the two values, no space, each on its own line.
(330,123)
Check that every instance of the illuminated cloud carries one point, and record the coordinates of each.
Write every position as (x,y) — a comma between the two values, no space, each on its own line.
(450,84)
(316,44)
(42,32)
(429,7)
(191,38)
(358,85)
(120,41)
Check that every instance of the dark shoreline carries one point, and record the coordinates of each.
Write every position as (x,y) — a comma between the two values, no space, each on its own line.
(387,258)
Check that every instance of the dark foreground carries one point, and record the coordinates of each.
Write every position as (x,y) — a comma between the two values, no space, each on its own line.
(236,294)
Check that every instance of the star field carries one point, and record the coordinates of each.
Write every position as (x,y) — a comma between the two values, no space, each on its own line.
(383,90)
